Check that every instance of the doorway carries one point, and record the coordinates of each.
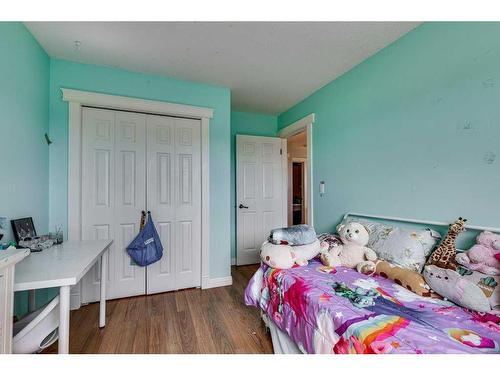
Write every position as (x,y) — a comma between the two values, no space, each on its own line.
(299,161)
(297,178)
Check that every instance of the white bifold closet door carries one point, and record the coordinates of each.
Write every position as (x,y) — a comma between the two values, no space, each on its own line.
(174,199)
(133,162)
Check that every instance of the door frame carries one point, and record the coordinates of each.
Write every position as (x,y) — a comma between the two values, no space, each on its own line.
(76,100)
(305,123)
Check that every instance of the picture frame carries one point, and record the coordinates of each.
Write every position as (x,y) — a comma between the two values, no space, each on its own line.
(23,229)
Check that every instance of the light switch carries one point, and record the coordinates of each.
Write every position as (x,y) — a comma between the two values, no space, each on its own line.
(321,188)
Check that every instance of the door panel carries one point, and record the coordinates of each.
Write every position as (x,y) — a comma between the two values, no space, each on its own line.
(160,160)
(174,199)
(97,189)
(130,175)
(187,200)
(259,186)
(113,195)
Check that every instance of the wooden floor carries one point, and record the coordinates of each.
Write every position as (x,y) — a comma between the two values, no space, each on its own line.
(188,321)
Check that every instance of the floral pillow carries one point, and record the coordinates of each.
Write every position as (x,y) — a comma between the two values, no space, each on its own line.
(332,240)
(404,247)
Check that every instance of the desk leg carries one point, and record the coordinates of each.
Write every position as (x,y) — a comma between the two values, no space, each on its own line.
(64,319)
(102,303)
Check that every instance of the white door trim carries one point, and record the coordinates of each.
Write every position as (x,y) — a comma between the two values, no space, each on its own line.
(304,123)
(76,99)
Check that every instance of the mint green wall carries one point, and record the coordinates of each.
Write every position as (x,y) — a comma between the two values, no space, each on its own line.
(248,124)
(24,154)
(413,131)
(120,82)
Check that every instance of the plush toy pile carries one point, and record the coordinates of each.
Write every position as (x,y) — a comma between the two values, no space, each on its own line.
(484,255)
(467,278)
(286,247)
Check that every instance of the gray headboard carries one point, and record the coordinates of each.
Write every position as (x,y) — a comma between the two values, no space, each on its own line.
(464,241)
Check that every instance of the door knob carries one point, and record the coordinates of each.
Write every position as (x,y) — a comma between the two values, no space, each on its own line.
(241,206)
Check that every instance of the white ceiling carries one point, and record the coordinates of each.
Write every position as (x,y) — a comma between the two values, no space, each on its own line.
(268,66)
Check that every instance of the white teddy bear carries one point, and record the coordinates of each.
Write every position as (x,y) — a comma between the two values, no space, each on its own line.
(353,252)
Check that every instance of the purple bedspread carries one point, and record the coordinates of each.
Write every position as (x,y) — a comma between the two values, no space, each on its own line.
(346,312)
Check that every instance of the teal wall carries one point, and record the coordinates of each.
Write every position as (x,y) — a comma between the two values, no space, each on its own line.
(414,131)
(24,154)
(120,82)
(248,124)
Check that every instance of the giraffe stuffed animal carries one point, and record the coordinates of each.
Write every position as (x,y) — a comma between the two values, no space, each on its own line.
(444,255)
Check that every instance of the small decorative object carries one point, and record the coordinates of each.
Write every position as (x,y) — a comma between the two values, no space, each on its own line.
(58,235)
(3,225)
(444,255)
(481,256)
(353,252)
(37,244)
(23,229)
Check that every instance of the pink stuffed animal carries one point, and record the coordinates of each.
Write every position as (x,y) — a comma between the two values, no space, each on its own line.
(484,255)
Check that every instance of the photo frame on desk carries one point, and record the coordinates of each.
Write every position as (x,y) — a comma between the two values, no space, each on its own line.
(23,229)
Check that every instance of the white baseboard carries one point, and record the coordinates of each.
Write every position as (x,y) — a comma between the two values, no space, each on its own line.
(218,282)
(233,261)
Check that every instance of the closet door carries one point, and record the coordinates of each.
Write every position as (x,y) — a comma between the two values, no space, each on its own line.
(113,195)
(174,199)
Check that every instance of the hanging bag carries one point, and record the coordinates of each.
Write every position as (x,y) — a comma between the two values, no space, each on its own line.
(146,248)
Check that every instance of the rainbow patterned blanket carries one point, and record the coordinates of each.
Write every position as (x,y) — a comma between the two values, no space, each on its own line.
(340,311)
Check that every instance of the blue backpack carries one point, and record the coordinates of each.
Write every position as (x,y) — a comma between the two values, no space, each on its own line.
(146,248)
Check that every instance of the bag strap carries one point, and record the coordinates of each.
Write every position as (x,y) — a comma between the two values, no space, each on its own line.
(143,219)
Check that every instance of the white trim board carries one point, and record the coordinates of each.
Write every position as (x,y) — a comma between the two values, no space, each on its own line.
(76,99)
(297,126)
(135,104)
(306,124)
(219,281)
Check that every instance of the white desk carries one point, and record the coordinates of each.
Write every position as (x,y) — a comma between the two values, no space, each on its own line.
(63,266)
(8,260)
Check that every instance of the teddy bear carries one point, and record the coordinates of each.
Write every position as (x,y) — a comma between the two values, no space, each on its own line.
(483,256)
(286,256)
(353,252)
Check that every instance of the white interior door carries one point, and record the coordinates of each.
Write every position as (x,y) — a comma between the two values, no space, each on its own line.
(259,193)
(113,195)
(174,199)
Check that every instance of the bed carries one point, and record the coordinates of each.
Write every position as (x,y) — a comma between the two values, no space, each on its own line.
(313,309)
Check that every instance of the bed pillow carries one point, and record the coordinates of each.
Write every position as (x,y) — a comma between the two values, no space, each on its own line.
(404,247)
(408,279)
(332,239)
